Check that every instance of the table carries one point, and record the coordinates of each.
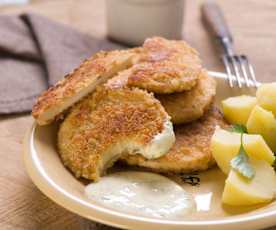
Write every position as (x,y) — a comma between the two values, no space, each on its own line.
(22,205)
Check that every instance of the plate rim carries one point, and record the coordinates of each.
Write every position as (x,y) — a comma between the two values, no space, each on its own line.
(107,216)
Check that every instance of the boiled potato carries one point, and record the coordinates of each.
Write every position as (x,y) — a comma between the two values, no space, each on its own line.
(239,190)
(266,96)
(263,122)
(224,146)
(256,147)
(236,110)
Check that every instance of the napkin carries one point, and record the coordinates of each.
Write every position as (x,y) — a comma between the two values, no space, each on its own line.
(36,52)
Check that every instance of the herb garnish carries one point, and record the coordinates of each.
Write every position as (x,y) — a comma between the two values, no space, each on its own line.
(238,129)
(240,162)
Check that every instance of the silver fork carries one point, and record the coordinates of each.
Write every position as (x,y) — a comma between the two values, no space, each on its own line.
(238,68)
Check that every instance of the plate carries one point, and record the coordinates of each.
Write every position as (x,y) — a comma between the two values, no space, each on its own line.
(55,181)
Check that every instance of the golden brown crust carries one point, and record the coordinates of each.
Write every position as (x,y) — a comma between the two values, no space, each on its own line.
(191,151)
(190,105)
(160,49)
(161,66)
(163,77)
(79,83)
(100,127)
(165,66)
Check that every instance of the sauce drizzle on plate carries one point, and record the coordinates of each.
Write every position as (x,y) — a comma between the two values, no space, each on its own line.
(142,193)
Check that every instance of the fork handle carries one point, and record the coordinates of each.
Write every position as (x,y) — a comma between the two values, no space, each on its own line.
(213,16)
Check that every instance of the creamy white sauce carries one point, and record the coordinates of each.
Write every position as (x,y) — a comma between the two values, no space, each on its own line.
(161,143)
(142,193)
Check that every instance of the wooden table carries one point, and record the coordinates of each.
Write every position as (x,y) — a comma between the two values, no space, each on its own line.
(22,205)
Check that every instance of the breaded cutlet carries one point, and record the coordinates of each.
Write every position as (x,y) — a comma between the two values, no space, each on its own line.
(107,123)
(160,66)
(190,105)
(191,151)
(159,77)
(161,49)
(166,66)
(82,81)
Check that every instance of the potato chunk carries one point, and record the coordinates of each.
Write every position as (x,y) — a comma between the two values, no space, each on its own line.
(240,191)
(236,110)
(255,146)
(224,146)
(263,122)
(266,96)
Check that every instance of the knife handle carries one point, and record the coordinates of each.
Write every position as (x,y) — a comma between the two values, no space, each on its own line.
(213,17)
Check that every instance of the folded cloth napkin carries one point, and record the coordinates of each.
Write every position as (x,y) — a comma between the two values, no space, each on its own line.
(35,53)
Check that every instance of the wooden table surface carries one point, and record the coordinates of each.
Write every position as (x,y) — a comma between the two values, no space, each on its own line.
(22,205)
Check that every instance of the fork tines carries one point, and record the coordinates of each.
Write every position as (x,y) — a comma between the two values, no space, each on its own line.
(239,71)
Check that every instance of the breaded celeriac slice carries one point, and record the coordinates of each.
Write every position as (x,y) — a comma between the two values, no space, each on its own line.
(108,123)
(161,49)
(190,105)
(191,151)
(160,77)
(160,66)
(165,66)
(81,82)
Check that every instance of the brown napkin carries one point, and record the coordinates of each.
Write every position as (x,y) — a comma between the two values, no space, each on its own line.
(36,52)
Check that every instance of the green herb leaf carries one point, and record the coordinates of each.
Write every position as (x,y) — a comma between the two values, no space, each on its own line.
(238,128)
(241,164)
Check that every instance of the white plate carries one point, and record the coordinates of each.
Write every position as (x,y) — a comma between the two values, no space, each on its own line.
(55,181)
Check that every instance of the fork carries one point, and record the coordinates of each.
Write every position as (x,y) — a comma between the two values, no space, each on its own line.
(238,68)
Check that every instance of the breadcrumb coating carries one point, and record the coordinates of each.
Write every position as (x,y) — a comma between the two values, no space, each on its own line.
(166,66)
(160,66)
(191,151)
(190,105)
(80,82)
(104,125)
